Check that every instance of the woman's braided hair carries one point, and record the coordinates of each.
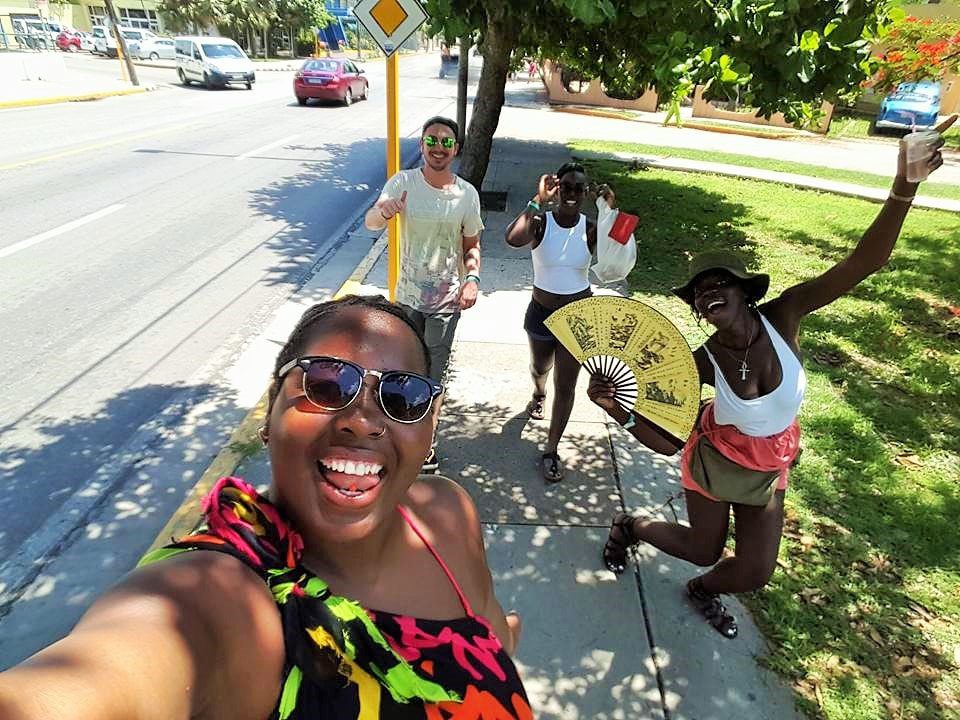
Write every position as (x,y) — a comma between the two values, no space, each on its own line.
(569,167)
(313,317)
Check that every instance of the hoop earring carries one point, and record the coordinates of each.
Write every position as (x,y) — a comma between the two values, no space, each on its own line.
(379,434)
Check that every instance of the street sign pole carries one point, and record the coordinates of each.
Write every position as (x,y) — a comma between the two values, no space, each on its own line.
(390,23)
(393,167)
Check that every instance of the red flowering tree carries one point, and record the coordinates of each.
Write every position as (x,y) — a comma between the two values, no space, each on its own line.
(918,50)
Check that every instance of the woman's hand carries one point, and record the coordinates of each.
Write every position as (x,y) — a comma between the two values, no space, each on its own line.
(547,189)
(602,392)
(934,159)
(606,192)
(389,207)
(515,626)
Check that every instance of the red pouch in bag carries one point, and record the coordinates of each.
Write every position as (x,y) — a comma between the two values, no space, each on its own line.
(623,227)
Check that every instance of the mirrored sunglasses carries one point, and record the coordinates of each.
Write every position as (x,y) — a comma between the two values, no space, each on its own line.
(433,141)
(333,384)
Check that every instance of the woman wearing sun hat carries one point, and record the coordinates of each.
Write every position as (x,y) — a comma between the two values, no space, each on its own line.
(745,440)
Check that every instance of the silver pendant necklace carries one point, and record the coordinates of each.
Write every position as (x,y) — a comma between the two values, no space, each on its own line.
(744,369)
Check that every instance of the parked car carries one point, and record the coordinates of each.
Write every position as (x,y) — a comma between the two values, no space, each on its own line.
(156,48)
(212,62)
(36,33)
(330,79)
(911,105)
(105,43)
(69,41)
(86,41)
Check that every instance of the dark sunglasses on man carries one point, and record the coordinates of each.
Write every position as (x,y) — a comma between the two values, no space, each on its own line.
(433,141)
(333,384)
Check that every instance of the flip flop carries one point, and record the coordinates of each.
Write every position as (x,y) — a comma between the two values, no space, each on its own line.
(550,468)
(535,407)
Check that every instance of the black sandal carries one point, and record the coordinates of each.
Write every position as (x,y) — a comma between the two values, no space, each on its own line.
(620,540)
(550,467)
(535,407)
(712,609)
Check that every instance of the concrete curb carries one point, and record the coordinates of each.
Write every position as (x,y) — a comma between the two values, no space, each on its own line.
(692,124)
(805,182)
(237,447)
(83,97)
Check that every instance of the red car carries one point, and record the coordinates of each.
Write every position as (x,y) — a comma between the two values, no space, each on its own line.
(68,41)
(330,79)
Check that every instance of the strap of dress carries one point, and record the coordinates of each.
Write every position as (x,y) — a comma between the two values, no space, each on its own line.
(433,551)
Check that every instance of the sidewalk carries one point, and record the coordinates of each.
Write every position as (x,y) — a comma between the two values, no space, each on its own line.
(43,78)
(593,646)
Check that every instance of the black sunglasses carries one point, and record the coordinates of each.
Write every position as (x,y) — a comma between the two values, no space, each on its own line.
(433,141)
(332,384)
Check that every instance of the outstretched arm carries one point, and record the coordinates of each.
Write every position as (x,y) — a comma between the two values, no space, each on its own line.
(871,253)
(602,392)
(160,646)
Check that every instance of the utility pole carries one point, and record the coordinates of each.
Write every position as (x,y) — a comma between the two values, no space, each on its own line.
(122,52)
(463,78)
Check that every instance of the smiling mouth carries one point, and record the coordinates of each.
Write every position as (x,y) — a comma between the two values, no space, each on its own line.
(350,478)
(714,305)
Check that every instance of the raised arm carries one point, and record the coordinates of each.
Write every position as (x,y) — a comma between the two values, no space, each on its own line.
(871,253)
(170,642)
(527,227)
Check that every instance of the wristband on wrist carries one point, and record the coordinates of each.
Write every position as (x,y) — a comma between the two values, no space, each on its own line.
(901,198)
(631,421)
(533,205)
(472,278)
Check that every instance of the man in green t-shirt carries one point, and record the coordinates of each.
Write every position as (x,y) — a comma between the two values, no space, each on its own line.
(439,243)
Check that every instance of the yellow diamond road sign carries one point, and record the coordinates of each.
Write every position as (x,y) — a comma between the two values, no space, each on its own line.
(390,22)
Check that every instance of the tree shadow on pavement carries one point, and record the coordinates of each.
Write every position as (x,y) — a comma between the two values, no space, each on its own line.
(116,499)
(318,198)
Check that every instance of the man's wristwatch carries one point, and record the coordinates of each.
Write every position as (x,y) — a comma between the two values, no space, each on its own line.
(631,421)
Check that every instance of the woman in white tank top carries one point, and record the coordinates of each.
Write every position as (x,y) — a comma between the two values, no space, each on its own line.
(746,438)
(561,242)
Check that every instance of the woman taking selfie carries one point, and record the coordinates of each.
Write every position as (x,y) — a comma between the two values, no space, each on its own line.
(352,589)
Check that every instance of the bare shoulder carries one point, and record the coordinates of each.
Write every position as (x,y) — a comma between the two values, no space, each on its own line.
(443,504)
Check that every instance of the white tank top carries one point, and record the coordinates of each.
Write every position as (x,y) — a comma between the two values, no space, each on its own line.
(562,259)
(768,414)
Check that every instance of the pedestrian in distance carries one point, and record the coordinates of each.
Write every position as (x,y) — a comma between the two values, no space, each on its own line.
(352,589)
(746,439)
(439,243)
(562,241)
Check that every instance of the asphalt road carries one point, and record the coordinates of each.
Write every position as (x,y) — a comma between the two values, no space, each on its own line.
(143,240)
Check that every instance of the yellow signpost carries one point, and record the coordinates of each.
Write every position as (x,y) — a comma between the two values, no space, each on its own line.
(390,23)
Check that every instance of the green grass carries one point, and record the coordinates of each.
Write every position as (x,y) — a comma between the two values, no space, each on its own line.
(930,189)
(859,128)
(863,614)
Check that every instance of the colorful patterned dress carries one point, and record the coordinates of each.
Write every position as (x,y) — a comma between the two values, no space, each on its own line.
(344,661)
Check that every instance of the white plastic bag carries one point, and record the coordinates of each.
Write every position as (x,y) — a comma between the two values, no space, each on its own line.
(614,261)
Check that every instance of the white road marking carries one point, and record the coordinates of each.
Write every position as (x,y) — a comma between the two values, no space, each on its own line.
(49,234)
(268,146)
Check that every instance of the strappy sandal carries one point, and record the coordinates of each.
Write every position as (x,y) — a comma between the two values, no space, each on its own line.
(712,609)
(620,540)
(550,467)
(535,407)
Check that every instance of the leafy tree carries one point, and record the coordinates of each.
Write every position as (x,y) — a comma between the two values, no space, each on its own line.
(302,14)
(918,50)
(777,55)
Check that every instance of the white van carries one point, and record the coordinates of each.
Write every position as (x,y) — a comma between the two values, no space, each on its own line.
(213,62)
(105,42)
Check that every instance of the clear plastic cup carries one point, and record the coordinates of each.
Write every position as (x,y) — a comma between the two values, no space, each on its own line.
(919,149)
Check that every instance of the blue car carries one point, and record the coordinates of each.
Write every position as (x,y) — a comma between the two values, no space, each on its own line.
(911,105)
